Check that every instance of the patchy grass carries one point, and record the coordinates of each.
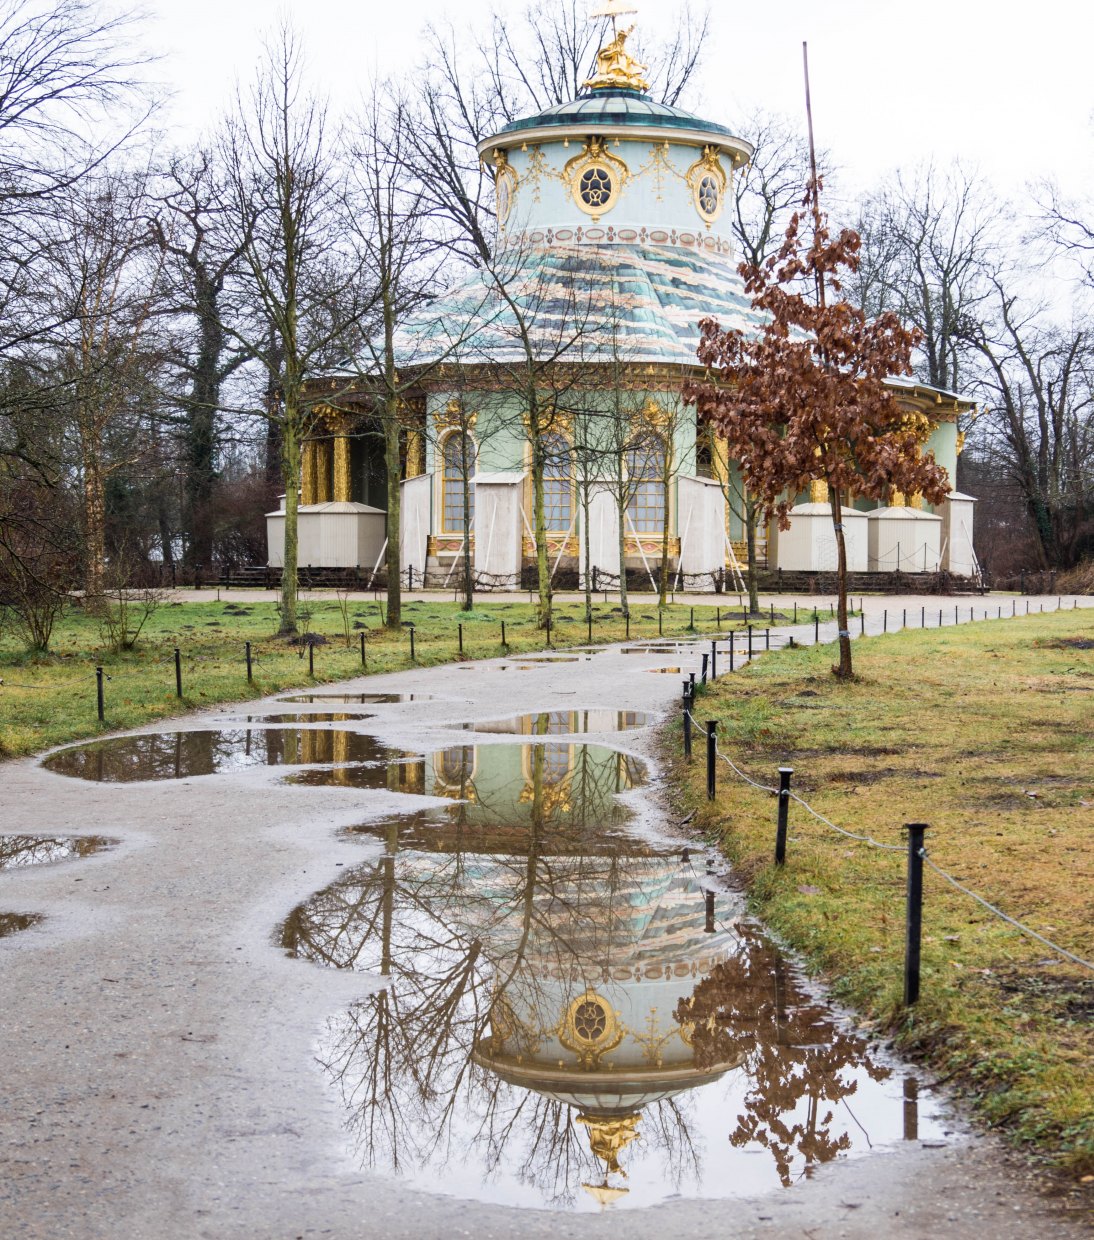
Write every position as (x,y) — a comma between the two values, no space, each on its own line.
(984,732)
(48,700)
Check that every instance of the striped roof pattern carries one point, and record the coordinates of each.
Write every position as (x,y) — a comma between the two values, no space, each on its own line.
(615,107)
(637,303)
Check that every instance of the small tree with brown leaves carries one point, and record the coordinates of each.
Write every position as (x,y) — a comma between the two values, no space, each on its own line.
(806,399)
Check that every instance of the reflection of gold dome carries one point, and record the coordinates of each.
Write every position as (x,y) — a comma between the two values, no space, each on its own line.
(609,1135)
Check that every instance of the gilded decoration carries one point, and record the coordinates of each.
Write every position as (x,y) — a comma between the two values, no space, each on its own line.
(708,181)
(590,1029)
(616,67)
(452,416)
(505,185)
(609,1137)
(596,178)
(818,491)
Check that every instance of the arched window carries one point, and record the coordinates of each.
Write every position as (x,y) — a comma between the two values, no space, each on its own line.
(557,484)
(704,452)
(645,470)
(457,460)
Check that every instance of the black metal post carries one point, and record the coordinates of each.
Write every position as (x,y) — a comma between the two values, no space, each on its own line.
(247,648)
(885,620)
(772,613)
(691,685)
(99,693)
(412,655)
(784,814)
(692,624)
(364,656)
(660,623)
(714,660)
(816,628)
(548,632)
(732,647)
(904,619)
(459,638)
(767,639)
(862,623)
(923,617)
(178,673)
(914,922)
(589,621)
(503,641)
(712,745)
(795,613)
(703,677)
(750,641)
(627,624)
(311,659)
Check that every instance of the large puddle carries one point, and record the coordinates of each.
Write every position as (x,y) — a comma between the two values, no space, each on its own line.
(11,923)
(20,851)
(209,751)
(572,1016)
(362,699)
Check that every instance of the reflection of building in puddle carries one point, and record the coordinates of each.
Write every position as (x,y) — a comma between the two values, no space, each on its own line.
(562,1008)
(209,751)
(561,723)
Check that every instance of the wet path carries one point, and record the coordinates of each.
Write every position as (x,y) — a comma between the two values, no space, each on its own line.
(400,1003)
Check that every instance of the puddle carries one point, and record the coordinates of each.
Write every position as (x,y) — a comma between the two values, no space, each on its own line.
(570,1020)
(10,923)
(671,671)
(19,851)
(182,755)
(365,699)
(562,723)
(664,651)
(555,658)
(319,716)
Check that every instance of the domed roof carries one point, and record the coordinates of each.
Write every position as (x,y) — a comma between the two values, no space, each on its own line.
(616,107)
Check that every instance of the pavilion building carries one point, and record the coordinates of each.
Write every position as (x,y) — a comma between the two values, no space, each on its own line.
(612,244)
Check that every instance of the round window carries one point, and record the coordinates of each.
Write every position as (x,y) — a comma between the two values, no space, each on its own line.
(594,189)
(709,195)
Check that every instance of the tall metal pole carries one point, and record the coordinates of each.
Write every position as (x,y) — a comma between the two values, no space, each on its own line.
(914,921)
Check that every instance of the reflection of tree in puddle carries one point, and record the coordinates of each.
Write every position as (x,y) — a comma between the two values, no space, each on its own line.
(556,996)
(795,1055)
(19,851)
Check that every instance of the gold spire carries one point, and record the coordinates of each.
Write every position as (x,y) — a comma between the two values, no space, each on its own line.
(615,66)
(609,1136)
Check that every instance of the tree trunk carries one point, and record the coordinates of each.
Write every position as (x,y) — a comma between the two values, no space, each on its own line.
(394,558)
(750,552)
(586,539)
(290,470)
(201,416)
(844,671)
(621,504)
(468,583)
(539,527)
(94,530)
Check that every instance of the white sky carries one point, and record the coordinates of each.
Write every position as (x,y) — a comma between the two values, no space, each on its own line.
(1007,88)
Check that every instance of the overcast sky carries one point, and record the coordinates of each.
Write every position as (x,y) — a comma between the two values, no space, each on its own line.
(1007,88)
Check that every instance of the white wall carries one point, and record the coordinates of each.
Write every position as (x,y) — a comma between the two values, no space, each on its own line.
(414,509)
(957,517)
(498,524)
(701,525)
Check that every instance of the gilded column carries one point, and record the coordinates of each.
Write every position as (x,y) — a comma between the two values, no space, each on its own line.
(342,484)
(323,453)
(308,487)
(415,454)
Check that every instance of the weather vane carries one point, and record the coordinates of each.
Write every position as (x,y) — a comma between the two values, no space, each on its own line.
(613,9)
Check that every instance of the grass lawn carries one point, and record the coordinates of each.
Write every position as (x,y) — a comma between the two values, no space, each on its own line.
(986,732)
(47,700)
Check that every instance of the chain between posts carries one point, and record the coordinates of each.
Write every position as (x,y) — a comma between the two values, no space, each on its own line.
(899,848)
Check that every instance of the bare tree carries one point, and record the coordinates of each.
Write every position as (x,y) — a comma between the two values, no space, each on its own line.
(189,225)
(1038,382)
(927,243)
(289,221)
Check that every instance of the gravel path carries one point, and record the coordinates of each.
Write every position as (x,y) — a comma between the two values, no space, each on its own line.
(159,1076)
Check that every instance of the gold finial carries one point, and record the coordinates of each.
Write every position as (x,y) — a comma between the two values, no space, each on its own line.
(615,66)
(609,1136)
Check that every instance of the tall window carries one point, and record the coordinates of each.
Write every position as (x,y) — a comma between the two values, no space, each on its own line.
(458,459)
(557,483)
(645,468)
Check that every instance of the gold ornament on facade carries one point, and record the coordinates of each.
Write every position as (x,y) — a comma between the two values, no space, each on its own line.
(505,185)
(818,491)
(590,1029)
(708,181)
(616,68)
(596,178)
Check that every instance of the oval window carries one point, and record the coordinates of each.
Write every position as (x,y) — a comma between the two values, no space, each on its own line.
(709,195)
(594,189)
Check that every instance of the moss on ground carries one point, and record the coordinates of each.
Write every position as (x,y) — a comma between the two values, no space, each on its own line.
(984,732)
